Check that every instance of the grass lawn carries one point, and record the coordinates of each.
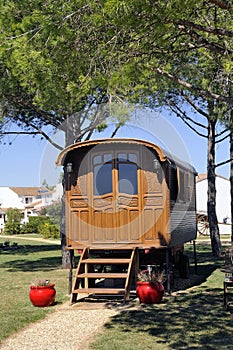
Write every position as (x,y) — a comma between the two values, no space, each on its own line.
(192,319)
(18,269)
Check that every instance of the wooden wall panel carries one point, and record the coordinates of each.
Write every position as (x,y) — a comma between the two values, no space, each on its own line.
(135,227)
(84,227)
(79,227)
(118,217)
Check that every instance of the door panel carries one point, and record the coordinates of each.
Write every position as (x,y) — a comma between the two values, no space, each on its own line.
(118,197)
(117,210)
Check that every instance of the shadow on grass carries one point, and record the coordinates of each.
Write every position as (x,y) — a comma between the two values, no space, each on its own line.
(42,264)
(204,255)
(35,259)
(192,319)
(29,248)
(188,321)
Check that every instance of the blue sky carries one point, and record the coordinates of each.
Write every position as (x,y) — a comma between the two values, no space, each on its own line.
(28,161)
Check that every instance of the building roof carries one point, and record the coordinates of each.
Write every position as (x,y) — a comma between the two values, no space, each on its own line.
(162,154)
(34,204)
(30,191)
(201,177)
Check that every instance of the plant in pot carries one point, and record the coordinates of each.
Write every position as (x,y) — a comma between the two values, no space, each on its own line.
(150,289)
(42,293)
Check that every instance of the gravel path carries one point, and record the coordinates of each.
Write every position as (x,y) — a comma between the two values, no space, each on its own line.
(74,327)
(69,327)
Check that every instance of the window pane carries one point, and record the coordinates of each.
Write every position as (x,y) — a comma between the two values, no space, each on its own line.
(122,157)
(127,178)
(102,179)
(182,196)
(107,158)
(132,157)
(97,160)
(173,184)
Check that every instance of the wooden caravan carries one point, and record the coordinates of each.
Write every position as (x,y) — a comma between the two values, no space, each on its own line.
(124,196)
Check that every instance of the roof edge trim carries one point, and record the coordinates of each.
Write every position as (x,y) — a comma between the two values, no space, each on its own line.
(61,157)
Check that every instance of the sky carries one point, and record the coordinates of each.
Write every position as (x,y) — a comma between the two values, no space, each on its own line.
(28,161)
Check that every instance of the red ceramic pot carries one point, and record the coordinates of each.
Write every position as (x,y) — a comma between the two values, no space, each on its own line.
(149,293)
(42,296)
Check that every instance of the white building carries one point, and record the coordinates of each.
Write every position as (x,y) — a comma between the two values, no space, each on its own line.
(223,200)
(28,199)
(57,192)
(2,220)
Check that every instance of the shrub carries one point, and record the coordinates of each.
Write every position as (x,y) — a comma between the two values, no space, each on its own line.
(49,230)
(12,228)
(29,227)
(13,215)
(33,225)
(38,220)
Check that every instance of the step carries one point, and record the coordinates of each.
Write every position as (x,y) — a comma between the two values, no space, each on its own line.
(99,291)
(102,275)
(105,261)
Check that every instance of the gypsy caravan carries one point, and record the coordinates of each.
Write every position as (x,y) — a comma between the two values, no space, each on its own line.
(124,197)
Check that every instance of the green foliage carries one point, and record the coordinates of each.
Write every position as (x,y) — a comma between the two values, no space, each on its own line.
(54,212)
(14,215)
(29,227)
(116,48)
(64,60)
(49,230)
(38,220)
(34,223)
(12,228)
(37,224)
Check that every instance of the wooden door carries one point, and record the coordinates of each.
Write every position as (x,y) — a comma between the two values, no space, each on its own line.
(128,195)
(115,195)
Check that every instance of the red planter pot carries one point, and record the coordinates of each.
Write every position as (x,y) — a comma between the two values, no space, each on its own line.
(42,296)
(149,293)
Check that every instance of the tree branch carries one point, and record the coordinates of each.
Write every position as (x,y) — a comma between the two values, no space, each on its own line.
(179,114)
(24,103)
(194,106)
(215,47)
(186,117)
(116,129)
(215,31)
(223,163)
(25,33)
(188,86)
(41,132)
(225,5)
(19,132)
(223,138)
(48,139)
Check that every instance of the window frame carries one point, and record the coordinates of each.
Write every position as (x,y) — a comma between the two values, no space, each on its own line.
(115,162)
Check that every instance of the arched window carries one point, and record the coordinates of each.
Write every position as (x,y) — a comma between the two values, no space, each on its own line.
(102,174)
(126,166)
(127,173)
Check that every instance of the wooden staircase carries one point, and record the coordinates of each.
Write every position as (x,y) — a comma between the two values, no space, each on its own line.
(105,272)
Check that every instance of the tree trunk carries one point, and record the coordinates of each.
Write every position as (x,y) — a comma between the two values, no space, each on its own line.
(65,253)
(66,262)
(231,183)
(211,201)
